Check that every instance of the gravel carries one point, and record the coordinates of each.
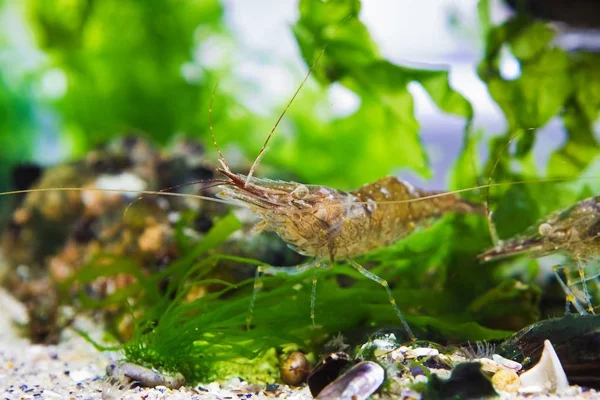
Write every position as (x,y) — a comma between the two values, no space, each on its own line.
(74,369)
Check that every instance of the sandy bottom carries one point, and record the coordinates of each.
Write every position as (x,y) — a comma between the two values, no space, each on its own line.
(74,369)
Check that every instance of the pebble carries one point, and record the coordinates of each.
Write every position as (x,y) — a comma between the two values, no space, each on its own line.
(506,380)
(81,375)
(422,352)
(505,362)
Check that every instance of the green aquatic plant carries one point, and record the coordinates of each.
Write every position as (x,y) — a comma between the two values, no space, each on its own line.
(383,129)
(186,320)
(552,83)
(206,338)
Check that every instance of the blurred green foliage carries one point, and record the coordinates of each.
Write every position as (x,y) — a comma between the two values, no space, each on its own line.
(384,127)
(17,126)
(122,63)
(124,68)
(552,84)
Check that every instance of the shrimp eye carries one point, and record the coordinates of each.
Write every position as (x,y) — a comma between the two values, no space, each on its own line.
(300,192)
(545,229)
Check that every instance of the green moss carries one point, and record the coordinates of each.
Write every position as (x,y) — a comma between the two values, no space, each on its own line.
(262,368)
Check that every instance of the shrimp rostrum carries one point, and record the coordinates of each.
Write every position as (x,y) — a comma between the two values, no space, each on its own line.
(574,231)
(329,224)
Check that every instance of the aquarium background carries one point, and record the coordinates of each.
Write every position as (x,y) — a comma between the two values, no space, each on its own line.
(446,94)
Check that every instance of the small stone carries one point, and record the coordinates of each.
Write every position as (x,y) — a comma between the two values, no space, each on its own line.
(294,369)
(489,365)
(418,370)
(396,357)
(271,387)
(506,380)
(213,387)
(81,375)
(422,352)
(50,394)
(152,239)
(505,362)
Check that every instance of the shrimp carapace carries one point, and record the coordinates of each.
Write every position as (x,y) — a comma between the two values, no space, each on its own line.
(327,223)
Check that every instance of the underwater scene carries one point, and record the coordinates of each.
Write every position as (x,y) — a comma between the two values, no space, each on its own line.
(330,199)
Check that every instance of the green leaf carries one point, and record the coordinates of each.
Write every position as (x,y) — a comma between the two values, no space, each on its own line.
(586,80)
(483,11)
(464,173)
(532,41)
(437,85)
(342,42)
(517,210)
(320,13)
(539,94)
(552,84)
(384,88)
(580,148)
(122,63)
(352,58)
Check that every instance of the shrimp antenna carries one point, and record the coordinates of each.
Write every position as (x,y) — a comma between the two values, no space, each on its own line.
(264,146)
(215,182)
(212,132)
(130,191)
(310,70)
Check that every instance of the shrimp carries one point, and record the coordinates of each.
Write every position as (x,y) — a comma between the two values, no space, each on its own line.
(325,223)
(574,231)
(322,222)
(328,224)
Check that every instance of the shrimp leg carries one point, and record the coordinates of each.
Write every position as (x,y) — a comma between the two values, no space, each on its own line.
(571,298)
(583,279)
(386,286)
(313,294)
(593,277)
(272,270)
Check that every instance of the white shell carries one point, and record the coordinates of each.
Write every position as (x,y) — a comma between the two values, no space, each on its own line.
(360,382)
(505,362)
(547,376)
(422,352)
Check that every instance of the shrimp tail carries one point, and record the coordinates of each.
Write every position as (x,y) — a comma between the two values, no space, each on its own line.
(463,206)
(532,245)
(446,202)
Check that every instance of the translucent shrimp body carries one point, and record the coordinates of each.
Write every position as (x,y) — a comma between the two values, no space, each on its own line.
(330,224)
(574,231)
(327,223)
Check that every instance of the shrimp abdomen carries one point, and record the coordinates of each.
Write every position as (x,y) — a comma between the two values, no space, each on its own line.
(529,245)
